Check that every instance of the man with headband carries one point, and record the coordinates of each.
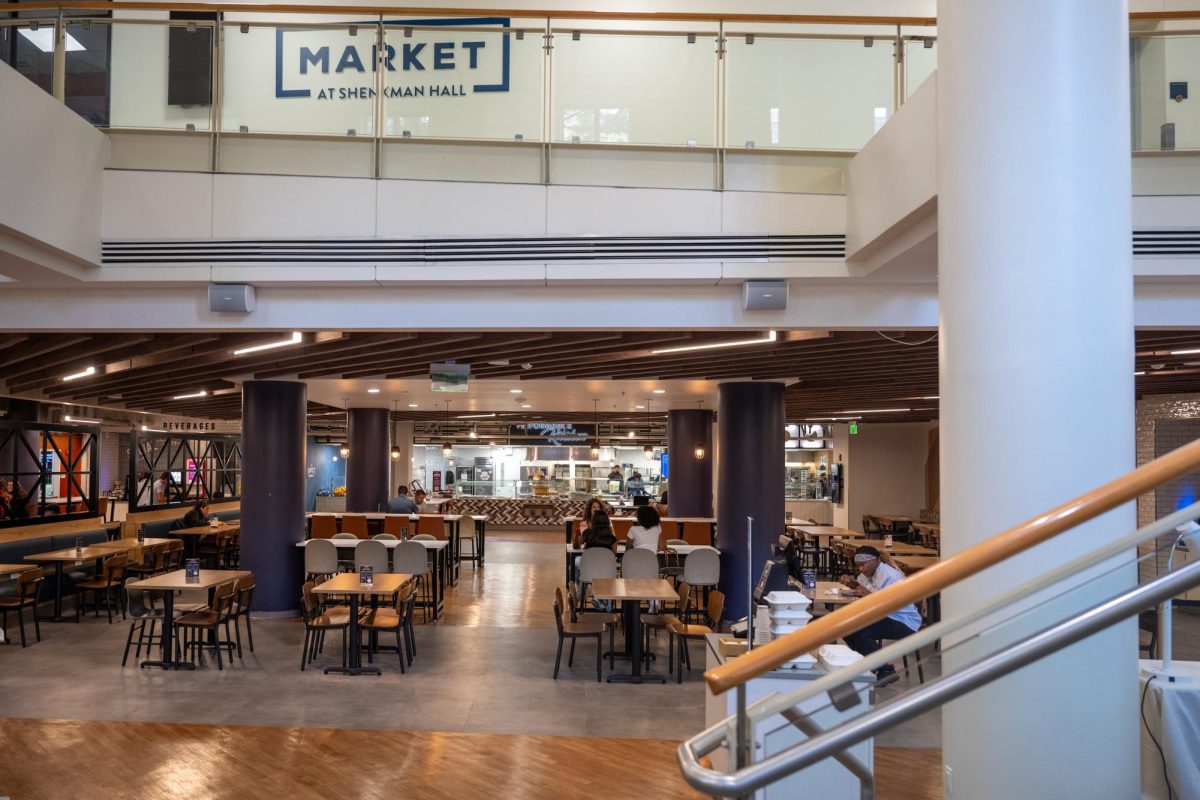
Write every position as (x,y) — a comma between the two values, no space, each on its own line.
(873,575)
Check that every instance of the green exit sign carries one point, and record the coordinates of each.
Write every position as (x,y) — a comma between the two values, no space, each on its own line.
(853,428)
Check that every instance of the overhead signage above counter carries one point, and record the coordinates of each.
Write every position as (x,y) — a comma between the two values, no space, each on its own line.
(556,434)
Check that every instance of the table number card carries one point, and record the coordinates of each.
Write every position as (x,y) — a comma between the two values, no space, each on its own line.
(366,575)
(193,569)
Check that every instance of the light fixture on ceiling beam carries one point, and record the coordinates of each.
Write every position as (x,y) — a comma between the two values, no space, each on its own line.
(373,390)
(77,375)
(475,416)
(295,338)
(877,411)
(81,420)
(201,393)
(648,450)
(345,448)
(770,336)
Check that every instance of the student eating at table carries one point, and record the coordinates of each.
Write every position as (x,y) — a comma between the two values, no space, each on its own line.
(873,575)
(648,529)
(196,516)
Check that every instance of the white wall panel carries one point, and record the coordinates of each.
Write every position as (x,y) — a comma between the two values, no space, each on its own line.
(52,163)
(268,206)
(762,212)
(157,205)
(626,273)
(588,211)
(430,208)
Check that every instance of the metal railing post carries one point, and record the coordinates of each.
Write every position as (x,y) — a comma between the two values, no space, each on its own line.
(58,72)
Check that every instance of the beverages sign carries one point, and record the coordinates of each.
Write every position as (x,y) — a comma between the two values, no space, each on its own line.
(333,65)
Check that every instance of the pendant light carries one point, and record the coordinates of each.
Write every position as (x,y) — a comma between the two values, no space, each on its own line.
(395,446)
(648,450)
(595,429)
(345,448)
(698,448)
(447,445)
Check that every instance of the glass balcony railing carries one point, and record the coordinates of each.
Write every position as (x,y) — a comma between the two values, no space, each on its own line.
(685,91)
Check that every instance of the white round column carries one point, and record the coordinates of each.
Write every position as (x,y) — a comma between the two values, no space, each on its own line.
(1037,400)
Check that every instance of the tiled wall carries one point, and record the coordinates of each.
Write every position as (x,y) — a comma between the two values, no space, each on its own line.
(1164,422)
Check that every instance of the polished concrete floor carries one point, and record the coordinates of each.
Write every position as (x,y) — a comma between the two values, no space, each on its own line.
(484,668)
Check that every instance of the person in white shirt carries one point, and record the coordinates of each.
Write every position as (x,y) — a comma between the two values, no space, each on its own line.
(648,529)
(873,575)
(161,486)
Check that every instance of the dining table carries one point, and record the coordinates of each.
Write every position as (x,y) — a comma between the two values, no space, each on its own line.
(75,557)
(191,535)
(165,585)
(383,584)
(630,593)
(11,571)
(436,551)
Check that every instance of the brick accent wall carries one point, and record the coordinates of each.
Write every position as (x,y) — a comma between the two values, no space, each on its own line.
(1164,422)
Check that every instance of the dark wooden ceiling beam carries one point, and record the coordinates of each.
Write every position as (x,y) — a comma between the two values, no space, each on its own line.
(379,344)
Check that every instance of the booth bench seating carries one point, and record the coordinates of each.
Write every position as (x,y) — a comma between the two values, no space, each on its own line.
(15,552)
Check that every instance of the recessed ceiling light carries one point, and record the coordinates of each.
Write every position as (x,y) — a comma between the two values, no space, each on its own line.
(514,391)
(640,408)
(295,338)
(413,405)
(372,390)
(631,435)
(200,393)
(526,405)
(78,375)
(660,391)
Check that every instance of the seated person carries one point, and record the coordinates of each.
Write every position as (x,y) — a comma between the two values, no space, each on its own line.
(874,575)
(53,510)
(402,503)
(196,516)
(598,534)
(419,498)
(645,534)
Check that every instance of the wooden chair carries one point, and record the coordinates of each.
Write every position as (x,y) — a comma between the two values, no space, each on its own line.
(112,577)
(394,620)
(243,594)
(698,533)
(398,525)
(666,616)
(356,524)
(153,560)
(431,525)
(621,526)
(174,556)
(29,583)
(210,620)
(683,633)
(213,548)
(577,630)
(322,526)
(316,623)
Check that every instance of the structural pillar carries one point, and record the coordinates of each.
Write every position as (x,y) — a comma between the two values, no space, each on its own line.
(750,480)
(1036,300)
(368,465)
(273,428)
(691,479)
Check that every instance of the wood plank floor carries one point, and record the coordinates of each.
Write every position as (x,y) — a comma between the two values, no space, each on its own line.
(53,759)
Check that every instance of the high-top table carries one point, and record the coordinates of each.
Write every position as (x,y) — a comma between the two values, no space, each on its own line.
(436,550)
(630,593)
(385,584)
(167,584)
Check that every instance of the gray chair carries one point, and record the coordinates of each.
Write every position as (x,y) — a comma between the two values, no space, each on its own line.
(384,537)
(372,554)
(320,558)
(639,563)
(343,536)
(411,558)
(345,564)
(423,537)
(702,570)
(595,563)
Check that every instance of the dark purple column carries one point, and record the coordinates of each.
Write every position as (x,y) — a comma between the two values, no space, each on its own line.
(691,479)
(750,482)
(368,466)
(273,428)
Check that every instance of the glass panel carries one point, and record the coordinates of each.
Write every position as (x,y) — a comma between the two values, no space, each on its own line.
(919,63)
(657,90)
(463,84)
(170,470)
(299,80)
(1157,66)
(161,76)
(87,60)
(30,51)
(810,94)
(45,471)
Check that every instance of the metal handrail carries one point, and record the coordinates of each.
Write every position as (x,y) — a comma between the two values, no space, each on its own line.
(948,687)
(969,562)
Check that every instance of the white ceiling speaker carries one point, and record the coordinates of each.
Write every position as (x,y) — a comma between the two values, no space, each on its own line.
(764,295)
(231,297)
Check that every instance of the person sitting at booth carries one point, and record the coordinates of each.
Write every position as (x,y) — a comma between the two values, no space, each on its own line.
(402,503)
(197,515)
(873,575)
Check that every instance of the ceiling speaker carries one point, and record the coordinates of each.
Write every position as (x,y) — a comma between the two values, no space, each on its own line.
(231,297)
(764,295)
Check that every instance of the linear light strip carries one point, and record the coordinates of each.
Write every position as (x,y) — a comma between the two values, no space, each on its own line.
(475,416)
(770,337)
(78,375)
(295,338)
(876,411)
(201,393)
(69,418)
